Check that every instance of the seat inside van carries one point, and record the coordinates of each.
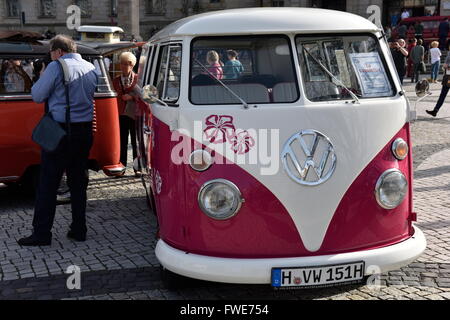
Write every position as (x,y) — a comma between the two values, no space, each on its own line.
(217,94)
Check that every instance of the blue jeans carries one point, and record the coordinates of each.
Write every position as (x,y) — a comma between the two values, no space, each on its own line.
(435,70)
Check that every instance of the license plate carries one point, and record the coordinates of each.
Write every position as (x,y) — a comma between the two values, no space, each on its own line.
(317,276)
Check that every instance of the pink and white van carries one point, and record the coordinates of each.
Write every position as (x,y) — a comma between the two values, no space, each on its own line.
(292,166)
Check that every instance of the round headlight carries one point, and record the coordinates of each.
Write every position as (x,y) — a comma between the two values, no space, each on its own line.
(400,148)
(220,199)
(391,188)
(200,160)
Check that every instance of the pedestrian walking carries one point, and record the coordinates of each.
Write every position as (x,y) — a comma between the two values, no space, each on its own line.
(125,86)
(417,55)
(72,153)
(435,58)
(444,90)
(399,54)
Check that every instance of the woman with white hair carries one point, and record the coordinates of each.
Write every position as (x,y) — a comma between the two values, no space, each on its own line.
(125,86)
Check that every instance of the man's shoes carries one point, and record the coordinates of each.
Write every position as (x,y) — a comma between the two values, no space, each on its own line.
(76,236)
(431,112)
(31,241)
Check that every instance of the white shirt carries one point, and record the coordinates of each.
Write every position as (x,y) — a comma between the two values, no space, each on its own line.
(435,55)
(405,14)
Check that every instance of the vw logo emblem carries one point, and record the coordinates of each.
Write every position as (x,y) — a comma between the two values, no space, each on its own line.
(308,158)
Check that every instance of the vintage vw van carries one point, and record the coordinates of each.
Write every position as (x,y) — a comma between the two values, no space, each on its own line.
(20,156)
(289,164)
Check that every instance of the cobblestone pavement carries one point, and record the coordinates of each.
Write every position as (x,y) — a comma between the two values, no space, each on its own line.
(117,261)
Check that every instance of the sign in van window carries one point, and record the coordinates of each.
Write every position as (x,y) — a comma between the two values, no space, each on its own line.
(331,66)
(371,74)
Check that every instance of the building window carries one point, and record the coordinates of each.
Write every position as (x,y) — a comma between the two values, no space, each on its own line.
(47,8)
(154,7)
(85,7)
(277,3)
(12,8)
(113,4)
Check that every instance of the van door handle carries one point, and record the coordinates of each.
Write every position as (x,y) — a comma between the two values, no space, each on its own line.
(147,130)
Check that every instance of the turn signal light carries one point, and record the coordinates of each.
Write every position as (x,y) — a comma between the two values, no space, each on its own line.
(400,148)
(200,160)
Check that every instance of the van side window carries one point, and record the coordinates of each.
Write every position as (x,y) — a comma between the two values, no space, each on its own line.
(101,68)
(258,69)
(329,64)
(168,73)
(145,65)
(16,76)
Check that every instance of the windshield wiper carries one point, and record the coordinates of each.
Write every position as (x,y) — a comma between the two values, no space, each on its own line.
(244,104)
(354,96)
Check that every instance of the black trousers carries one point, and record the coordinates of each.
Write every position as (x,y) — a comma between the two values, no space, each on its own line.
(416,72)
(127,128)
(442,96)
(72,156)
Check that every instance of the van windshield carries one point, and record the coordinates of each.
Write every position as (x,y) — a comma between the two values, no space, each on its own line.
(258,69)
(354,60)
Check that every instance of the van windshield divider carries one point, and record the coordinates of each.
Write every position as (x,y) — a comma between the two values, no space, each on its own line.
(245,104)
(354,96)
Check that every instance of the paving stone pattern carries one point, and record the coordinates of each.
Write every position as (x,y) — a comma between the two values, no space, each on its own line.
(117,261)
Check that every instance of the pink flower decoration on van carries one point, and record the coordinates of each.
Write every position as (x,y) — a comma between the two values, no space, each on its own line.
(242,142)
(219,129)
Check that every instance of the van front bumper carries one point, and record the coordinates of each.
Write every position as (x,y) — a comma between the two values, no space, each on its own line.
(258,271)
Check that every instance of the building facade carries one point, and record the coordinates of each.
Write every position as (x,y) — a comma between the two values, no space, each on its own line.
(43,15)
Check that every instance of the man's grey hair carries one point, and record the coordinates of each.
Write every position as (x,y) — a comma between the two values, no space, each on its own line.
(63,42)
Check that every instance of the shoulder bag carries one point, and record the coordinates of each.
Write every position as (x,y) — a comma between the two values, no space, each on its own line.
(48,133)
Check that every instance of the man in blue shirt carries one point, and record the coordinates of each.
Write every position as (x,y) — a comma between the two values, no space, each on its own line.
(72,153)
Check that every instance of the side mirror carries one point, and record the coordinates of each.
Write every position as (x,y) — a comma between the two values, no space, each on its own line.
(422,88)
(150,93)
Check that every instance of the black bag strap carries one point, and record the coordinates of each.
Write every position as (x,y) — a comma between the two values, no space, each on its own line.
(66,80)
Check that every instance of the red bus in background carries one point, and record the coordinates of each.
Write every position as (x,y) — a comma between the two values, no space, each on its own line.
(430,28)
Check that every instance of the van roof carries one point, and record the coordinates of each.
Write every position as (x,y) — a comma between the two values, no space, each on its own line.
(267,20)
(101,29)
(32,48)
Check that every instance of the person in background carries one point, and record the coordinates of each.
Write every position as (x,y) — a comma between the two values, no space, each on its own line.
(72,153)
(418,30)
(435,55)
(443,33)
(214,66)
(405,14)
(387,32)
(401,30)
(125,86)
(399,54)
(409,67)
(444,90)
(233,67)
(13,77)
(394,19)
(417,55)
